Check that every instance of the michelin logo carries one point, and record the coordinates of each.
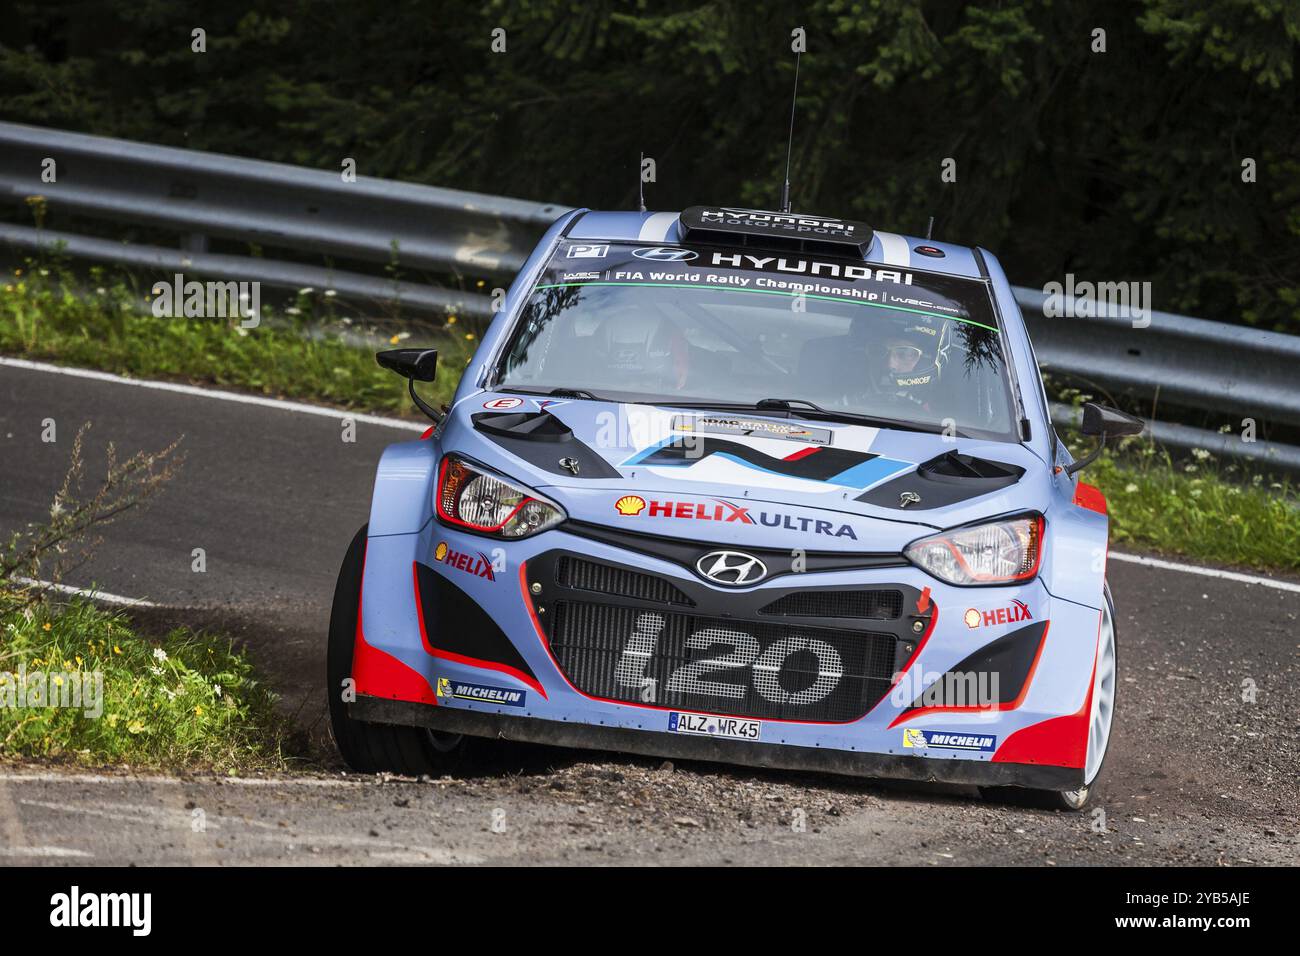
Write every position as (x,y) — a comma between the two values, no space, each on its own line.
(483,693)
(943,740)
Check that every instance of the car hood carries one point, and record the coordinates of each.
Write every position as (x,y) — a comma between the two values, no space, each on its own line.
(588,454)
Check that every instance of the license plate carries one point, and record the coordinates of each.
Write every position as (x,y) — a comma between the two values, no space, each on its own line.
(707,725)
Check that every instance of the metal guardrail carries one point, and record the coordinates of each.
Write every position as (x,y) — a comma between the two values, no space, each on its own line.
(202,195)
(1175,360)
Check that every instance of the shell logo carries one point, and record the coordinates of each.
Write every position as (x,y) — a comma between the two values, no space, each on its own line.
(440,552)
(972,617)
(630,505)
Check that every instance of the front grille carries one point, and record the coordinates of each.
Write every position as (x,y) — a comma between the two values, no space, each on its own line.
(605,579)
(882,605)
(762,669)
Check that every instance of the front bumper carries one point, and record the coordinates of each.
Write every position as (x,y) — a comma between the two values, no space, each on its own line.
(491,636)
(658,744)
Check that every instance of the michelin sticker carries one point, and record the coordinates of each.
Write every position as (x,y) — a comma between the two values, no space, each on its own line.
(482,693)
(944,740)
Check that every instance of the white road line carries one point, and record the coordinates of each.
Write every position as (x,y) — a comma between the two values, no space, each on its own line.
(42,851)
(102,596)
(1207,572)
(261,830)
(39,777)
(128,813)
(11,826)
(300,407)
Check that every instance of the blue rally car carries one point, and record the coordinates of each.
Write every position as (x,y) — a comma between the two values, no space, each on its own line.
(741,486)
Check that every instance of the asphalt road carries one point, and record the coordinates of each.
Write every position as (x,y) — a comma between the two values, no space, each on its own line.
(1195,774)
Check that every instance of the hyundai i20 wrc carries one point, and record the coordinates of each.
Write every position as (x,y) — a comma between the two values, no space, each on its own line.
(740,486)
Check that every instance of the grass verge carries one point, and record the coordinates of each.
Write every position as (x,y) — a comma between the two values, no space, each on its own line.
(45,314)
(1202,509)
(80,685)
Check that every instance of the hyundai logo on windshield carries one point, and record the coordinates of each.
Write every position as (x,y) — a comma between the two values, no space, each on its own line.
(665,254)
(732,568)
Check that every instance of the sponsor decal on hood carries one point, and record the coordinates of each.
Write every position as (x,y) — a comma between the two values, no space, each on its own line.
(720,509)
(836,466)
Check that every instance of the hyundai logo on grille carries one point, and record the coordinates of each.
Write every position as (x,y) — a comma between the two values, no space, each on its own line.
(732,568)
(665,254)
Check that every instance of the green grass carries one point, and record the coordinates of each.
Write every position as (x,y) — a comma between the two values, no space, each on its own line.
(45,315)
(185,701)
(1203,509)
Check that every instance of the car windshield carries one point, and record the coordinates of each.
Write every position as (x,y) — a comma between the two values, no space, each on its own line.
(709,325)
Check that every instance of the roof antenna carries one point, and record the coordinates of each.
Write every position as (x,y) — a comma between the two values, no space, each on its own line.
(929,229)
(640,183)
(789,146)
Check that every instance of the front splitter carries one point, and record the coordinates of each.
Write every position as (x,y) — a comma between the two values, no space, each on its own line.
(650,743)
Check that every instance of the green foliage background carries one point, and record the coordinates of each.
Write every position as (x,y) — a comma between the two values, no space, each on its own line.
(1117,165)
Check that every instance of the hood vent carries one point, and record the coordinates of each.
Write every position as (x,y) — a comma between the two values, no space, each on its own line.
(955,465)
(528,426)
(543,441)
(941,481)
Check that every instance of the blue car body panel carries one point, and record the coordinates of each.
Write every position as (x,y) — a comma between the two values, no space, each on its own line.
(698,502)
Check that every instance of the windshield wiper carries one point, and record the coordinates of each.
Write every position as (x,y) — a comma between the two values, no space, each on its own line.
(560,392)
(810,410)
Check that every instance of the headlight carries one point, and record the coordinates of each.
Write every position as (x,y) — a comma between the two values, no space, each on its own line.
(470,497)
(1000,552)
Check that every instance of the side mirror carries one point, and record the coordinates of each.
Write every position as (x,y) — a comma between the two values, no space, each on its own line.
(419,365)
(1109,422)
(414,365)
(1104,422)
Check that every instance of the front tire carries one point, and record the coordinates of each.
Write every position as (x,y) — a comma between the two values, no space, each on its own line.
(1100,724)
(365,747)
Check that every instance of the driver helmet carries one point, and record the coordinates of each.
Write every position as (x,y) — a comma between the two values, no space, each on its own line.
(913,356)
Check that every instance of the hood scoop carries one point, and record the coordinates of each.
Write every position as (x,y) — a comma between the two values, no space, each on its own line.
(543,441)
(943,480)
(524,426)
(955,465)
